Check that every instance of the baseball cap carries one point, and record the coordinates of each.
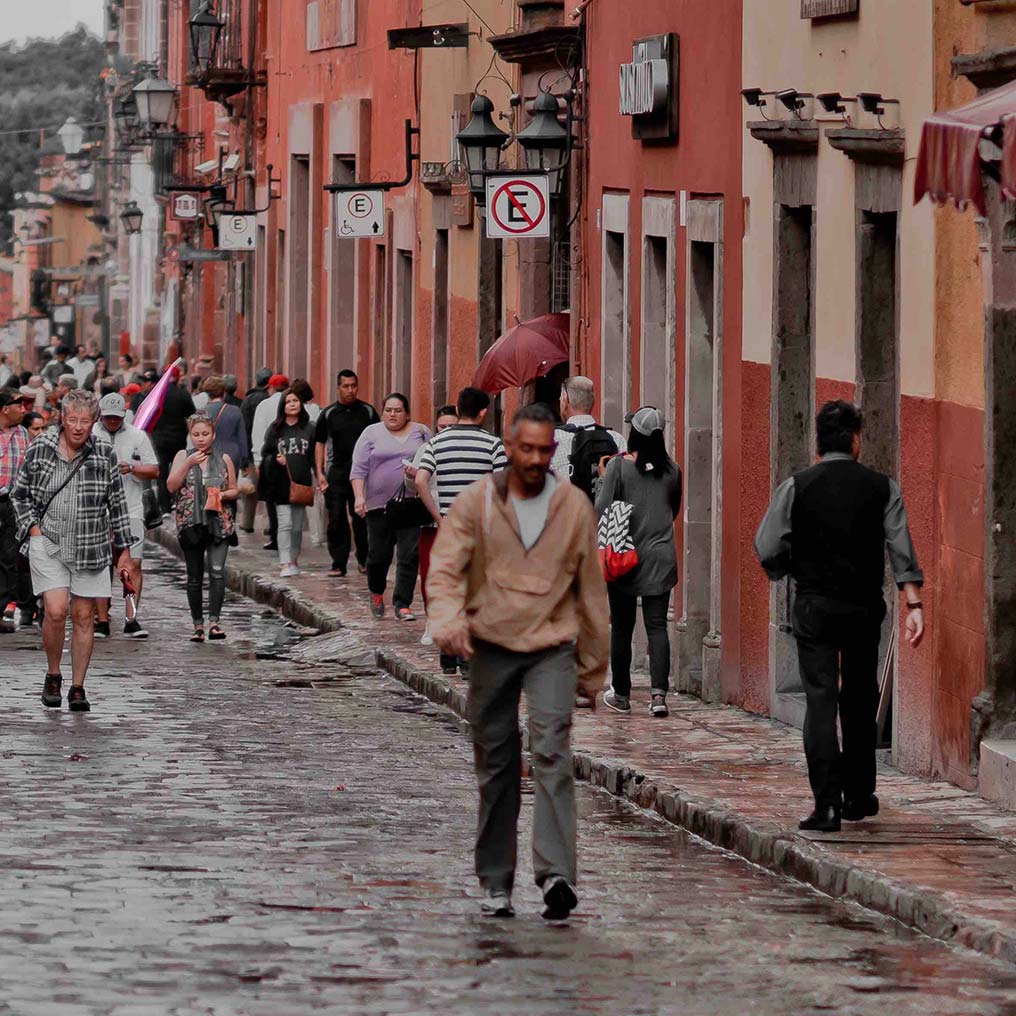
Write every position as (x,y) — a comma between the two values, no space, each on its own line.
(278,381)
(645,420)
(151,374)
(8,397)
(67,380)
(27,392)
(113,404)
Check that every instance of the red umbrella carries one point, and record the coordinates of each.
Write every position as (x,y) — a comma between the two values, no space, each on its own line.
(524,353)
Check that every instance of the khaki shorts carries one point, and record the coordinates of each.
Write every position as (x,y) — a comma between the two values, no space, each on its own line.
(137,548)
(49,573)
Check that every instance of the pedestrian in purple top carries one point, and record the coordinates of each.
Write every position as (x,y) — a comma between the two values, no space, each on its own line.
(377,475)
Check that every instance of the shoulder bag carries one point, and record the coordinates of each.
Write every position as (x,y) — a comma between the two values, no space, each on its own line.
(299,493)
(406,512)
(618,555)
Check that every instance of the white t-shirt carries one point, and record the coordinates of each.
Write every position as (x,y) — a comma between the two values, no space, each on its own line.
(264,417)
(130,445)
(531,512)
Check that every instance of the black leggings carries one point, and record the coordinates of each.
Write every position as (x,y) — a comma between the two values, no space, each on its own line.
(623,610)
(195,559)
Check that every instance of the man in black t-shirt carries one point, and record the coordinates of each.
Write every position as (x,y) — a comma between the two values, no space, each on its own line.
(338,428)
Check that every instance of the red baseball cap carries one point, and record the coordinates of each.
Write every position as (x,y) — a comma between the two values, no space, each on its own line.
(278,381)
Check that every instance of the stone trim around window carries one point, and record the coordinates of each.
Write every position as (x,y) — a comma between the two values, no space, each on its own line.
(330,24)
(828,8)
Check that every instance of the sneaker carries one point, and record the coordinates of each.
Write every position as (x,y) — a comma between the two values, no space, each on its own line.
(427,639)
(559,898)
(377,605)
(9,622)
(77,701)
(102,629)
(51,696)
(288,571)
(619,703)
(133,629)
(404,614)
(658,707)
(497,903)
(270,545)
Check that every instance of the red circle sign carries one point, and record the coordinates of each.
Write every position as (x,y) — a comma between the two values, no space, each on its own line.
(524,222)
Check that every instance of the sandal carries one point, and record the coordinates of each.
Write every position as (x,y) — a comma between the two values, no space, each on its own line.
(215,633)
(199,634)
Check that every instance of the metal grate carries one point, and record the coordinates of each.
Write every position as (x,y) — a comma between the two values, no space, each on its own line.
(560,295)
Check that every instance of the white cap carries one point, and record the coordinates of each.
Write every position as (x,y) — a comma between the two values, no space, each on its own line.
(113,404)
(646,420)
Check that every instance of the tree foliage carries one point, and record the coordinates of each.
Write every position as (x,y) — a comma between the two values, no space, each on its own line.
(42,83)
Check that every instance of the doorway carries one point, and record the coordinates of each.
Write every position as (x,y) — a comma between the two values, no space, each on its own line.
(342,284)
(297,330)
(614,312)
(659,325)
(439,326)
(402,366)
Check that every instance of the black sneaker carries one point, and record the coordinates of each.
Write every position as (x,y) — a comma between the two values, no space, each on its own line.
(134,630)
(77,702)
(856,811)
(822,820)
(102,629)
(449,664)
(619,703)
(51,697)
(559,898)
(271,545)
(658,706)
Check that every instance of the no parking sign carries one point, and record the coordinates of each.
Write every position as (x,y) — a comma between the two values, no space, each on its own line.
(518,206)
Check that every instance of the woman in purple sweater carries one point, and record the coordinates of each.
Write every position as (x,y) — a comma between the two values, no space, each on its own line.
(377,474)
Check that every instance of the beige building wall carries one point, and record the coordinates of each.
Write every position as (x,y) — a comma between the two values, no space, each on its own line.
(887,49)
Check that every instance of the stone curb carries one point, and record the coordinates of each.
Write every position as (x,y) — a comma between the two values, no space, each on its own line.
(766,844)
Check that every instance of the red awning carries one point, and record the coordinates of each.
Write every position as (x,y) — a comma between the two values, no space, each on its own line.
(524,353)
(949,162)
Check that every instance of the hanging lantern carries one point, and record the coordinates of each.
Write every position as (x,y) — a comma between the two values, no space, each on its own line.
(205,33)
(482,142)
(131,217)
(71,136)
(155,98)
(545,142)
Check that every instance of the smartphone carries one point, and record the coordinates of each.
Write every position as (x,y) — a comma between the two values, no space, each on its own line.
(408,463)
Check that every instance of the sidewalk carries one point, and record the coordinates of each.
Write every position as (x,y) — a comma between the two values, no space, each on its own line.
(937,858)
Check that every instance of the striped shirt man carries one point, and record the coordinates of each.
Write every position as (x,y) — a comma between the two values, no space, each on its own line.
(459,456)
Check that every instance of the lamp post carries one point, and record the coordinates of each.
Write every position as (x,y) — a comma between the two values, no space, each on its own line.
(131,217)
(482,142)
(205,31)
(546,144)
(71,136)
(155,98)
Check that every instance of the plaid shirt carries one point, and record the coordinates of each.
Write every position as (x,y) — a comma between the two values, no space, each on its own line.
(13,445)
(102,505)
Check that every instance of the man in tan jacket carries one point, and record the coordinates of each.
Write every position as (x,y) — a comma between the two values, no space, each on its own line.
(515,585)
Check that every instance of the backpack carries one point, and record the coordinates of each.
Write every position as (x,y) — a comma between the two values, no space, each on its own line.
(590,445)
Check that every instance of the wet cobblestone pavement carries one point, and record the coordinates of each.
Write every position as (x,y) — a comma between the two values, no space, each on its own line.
(229,832)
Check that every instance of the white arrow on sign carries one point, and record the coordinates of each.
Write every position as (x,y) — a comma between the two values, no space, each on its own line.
(518,206)
(237,231)
(359,214)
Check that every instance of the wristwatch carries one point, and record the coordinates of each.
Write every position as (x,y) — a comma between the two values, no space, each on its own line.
(915,606)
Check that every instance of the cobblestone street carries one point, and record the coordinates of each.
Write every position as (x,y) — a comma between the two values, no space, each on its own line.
(231,833)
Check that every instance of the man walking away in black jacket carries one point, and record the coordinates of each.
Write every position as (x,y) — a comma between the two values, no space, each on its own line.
(829,527)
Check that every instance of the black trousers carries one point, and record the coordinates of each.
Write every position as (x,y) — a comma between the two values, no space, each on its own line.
(623,613)
(9,584)
(837,650)
(383,541)
(165,457)
(339,502)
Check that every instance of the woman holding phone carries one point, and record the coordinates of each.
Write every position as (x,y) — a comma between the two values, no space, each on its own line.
(203,482)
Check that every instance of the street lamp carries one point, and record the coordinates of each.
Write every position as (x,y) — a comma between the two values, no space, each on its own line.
(545,142)
(205,32)
(131,217)
(155,98)
(71,136)
(482,142)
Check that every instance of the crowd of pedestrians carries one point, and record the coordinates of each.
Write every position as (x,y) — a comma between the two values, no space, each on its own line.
(535,555)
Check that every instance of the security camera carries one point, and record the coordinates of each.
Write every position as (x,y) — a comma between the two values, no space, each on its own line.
(832,102)
(872,102)
(753,96)
(791,98)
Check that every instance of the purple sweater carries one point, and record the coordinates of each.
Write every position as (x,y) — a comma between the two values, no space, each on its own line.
(377,458)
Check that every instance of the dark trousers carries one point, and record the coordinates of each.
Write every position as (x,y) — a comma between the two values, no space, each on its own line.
(9,585)
(195,556)
(382,543)
(623,612)
(273,521)
(339,501)
(837,650)
(165,457)
(497,678)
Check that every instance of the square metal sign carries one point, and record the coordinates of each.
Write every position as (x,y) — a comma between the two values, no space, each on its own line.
(237,231)
(518,206)
(359,214)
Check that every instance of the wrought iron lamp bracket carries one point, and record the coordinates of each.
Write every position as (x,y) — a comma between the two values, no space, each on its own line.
(385,185)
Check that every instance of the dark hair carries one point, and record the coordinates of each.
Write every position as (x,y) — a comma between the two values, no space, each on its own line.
(346,372)
(835,426)
(63,351)
(128,358)
(108,385)
(303,390)
(396,395)
(471,402)
(26,376)
(446,411)
(280,418)
(535,412)
(651,450)
(30,418)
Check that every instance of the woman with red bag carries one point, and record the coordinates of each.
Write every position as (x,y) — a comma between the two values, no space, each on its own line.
(650,481)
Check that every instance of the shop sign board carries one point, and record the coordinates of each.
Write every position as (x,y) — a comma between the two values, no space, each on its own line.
(649,88)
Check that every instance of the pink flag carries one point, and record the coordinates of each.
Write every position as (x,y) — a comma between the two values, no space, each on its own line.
(151,409)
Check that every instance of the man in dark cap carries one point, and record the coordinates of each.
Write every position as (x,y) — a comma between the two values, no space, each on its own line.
(829,527)
(230,382)
(248,407)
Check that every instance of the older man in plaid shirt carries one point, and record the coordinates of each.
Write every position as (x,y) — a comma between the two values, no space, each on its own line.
(68,498)
(13,445)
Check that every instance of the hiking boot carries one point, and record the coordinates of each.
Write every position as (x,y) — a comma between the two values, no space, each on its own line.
(559,898)
(76,699)
(134,630)
(856,811)
(497,903)
(619,703)
(377,605)
(102,629)
(822,820)
(404,614)
(51,696)
(658,707)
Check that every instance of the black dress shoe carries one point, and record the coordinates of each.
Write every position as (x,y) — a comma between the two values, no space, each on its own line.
(822,820)
(77,702)
(855,811)
(271,545)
